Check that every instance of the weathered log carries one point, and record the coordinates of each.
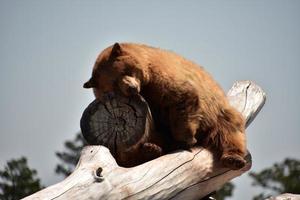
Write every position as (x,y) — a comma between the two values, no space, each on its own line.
(285,196)
(116,122)
(179,175)
(122,124)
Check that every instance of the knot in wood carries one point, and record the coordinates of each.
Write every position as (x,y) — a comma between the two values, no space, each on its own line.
(98,175)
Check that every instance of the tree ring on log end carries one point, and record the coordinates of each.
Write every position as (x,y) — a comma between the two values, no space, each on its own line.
(117,122)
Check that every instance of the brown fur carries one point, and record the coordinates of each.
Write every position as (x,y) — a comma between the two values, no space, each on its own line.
(188,106)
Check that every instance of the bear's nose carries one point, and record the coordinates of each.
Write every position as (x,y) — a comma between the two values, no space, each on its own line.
(90,83)
(86,85)
(132,90)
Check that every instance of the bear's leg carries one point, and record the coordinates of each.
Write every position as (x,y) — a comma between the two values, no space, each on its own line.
(233,153)
(145,152)
(183,129)
(151,151)
(183,119)
(230,139)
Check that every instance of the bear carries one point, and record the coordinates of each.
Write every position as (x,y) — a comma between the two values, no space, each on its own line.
(188,105)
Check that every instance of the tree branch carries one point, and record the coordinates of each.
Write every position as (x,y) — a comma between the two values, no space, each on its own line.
(178,175)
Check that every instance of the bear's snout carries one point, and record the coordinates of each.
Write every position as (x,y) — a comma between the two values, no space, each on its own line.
(129,85)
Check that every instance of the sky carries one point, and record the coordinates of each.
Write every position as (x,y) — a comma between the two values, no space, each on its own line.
(48,48)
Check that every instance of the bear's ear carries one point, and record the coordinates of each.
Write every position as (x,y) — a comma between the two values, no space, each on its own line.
(90,83)
(116,50)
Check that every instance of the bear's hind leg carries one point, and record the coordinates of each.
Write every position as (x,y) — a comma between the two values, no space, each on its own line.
(183,120)
(183,129)
(232,155)
(230,139)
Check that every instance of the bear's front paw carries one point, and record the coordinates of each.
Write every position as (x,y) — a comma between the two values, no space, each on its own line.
(233,161)
(151,151)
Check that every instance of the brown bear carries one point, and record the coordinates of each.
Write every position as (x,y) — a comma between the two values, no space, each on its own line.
(188,106)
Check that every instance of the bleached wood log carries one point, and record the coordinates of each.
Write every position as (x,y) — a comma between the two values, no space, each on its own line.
(178,175)
(286,196)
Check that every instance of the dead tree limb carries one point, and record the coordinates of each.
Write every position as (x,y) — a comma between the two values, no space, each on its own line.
(285,196)
(178,175)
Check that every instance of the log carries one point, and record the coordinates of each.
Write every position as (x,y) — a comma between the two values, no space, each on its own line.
(116,122)
(285,196)
(178,175)
(122,124)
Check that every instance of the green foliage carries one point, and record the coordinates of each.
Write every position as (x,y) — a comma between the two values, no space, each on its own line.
(69,157)
(282,177)
(224,192)
(17,180)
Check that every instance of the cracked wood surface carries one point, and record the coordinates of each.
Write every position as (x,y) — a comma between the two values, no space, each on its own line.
(285,196)
(117,122)
(179,175)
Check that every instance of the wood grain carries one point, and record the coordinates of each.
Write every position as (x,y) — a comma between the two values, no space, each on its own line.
(179,175)
(117,122)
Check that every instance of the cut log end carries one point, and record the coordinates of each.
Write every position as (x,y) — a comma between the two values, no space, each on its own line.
(117,122)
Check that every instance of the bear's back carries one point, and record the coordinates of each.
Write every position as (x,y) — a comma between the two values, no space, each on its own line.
(171,66)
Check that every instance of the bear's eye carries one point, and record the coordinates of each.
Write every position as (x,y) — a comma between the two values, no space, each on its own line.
(127,72)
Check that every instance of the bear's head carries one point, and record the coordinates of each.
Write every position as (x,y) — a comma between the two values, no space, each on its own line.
(115,71)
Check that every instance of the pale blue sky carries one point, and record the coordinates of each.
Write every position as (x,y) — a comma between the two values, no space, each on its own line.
(47,50)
